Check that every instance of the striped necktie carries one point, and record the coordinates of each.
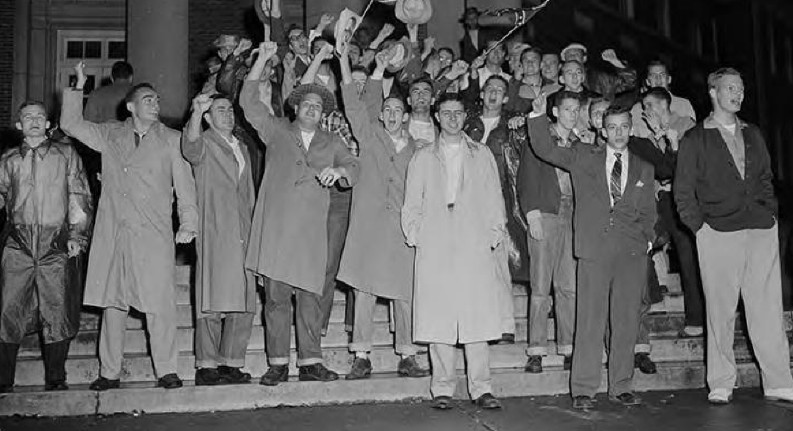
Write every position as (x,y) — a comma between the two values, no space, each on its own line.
(616,180)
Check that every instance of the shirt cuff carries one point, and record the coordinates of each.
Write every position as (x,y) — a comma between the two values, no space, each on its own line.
(377,75)
(533,114)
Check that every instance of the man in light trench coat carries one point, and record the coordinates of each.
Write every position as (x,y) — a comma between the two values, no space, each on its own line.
(289,231)
(225,291)
(132,258)
(454,215)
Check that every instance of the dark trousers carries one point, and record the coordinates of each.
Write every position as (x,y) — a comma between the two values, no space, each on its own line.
(55,355)
(278,322)
(685,247)
(338,222)
(610,289)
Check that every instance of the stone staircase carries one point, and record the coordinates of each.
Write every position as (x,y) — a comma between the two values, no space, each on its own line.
(680,364)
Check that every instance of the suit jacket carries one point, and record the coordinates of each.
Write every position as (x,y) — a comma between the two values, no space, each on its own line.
(709,189)
(631,220)
(538,184)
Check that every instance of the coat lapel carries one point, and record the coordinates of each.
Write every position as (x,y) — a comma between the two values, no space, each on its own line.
(634,174)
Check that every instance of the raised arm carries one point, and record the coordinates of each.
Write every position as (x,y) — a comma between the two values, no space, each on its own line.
(256,112)
(540,138)
(81,211)
(72,122)
(326,53)
(186,202)
(192,144)
(354,108)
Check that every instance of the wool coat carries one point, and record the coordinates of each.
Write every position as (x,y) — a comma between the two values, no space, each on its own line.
(289,231)
(456,283)
(132,258)
(376,258)
(225,208)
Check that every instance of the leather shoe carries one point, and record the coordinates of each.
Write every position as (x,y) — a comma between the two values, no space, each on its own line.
(207,377)
(442,403)
(568,363)
(275,375)
(316,373)
(534,364)
(361,369)
(169,381)
(233,375)
(583,402)
(103,384)
(56,386)
(643,362)
(488,401)
(627,399)
(408,367)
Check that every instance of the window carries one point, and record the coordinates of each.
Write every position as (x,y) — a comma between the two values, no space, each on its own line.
(117,49)
(99,49)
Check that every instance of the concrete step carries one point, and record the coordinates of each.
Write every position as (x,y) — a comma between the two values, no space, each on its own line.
(144,398)
(138,367)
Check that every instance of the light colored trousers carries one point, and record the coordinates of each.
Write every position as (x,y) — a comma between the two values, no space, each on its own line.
(552,263)
(444,365)
(162,338)
(745,264)
(362,331)
(222,341)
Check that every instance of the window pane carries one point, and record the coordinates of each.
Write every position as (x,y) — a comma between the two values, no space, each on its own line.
(74,49)
(116,49)
(93,49)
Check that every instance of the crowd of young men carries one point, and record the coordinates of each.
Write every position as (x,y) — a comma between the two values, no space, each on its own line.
(410,176)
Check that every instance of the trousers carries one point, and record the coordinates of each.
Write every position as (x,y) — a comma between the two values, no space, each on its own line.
(162,338)
(278,323)
(222,341)
(444,366)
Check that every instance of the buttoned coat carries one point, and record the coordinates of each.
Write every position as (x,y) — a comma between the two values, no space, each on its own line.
(225,208)
(132,258)
(456,283)
(289,231)
(376,259)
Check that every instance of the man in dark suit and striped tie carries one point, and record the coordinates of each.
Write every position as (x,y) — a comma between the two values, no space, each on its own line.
(613,230)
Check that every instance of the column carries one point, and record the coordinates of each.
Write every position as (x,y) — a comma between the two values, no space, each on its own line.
(157,48)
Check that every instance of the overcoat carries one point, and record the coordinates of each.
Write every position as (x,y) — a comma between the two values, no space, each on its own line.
(455,295)
(132,258)
(225,208)
(289,231)
(376,258)
(47,201)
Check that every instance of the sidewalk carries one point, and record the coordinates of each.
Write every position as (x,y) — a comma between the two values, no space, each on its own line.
(679,411)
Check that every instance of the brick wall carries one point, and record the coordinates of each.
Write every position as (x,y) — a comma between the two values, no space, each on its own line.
(6,61)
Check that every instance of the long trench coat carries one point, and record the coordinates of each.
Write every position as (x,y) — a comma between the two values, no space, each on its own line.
(132,259)
(376,258)
(48,202)
(225,207)
(289,231)
(456,283)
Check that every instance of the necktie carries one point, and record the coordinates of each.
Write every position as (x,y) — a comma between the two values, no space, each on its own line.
(137,139)
(616,180)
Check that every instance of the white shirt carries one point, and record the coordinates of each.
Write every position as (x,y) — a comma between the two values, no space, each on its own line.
(234,143)
(490,124)
(307,137)
(610,159)
(452,155)
(421,130)
(474,35)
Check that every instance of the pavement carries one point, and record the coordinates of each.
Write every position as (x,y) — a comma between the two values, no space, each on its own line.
(678,411)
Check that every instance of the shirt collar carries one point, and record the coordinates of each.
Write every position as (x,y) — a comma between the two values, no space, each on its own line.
(610,152)
(41,149)
(711,123)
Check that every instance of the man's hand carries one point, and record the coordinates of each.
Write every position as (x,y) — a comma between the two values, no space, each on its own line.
(329,176)
(515,123)
(458,68)
(674,138)
(540,104)
(387,30)
(324,21)
(383,57)
(244,45)
(429,43)
(201,104)
(535,229)
(326,52)
(79,69)
(653,122)
(477,63)
(184,237)
(290,60)
(73,248)
(266,50)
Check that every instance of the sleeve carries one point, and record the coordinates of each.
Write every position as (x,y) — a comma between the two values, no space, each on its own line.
(373,97)
(256,112)
(358,115)
(685,184)
(766,198)
(5,183)
(528,180)
(496,213)
(664,166)
(93,135)
(471,93)
(413,207)
(81,211)
(544,148)
(343,158)
(184,185)
(193,151)
(648,209)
